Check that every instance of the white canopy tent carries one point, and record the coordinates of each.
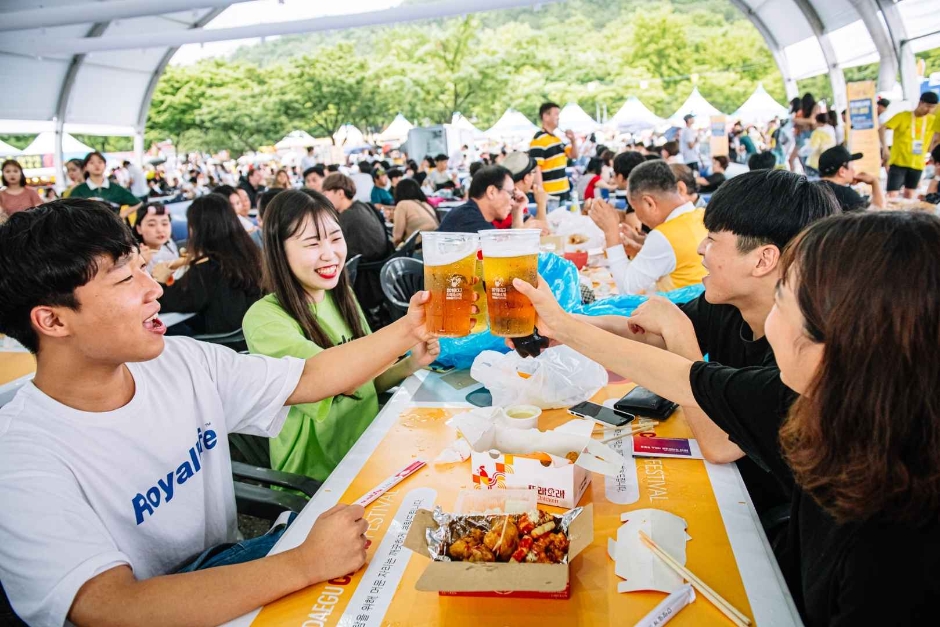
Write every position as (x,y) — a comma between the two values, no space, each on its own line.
(460,121)
(296,140)
(512,125)
(77,46)
(397,131)
(697,106)
(44,144)
(349,136)
(573,117)
(759,108)
(6,150)
(635,117)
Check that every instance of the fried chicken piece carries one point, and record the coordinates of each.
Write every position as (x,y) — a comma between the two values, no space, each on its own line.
(502,539)
(480,553)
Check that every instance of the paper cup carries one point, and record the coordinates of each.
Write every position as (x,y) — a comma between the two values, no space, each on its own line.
(522,416)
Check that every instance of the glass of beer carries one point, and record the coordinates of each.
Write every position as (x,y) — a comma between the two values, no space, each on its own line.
(510,254)
(450,261)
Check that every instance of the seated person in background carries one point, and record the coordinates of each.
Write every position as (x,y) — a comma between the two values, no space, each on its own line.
(670,152)
(362,178)
(709,184)
(313,178)
(380,196)
(395,175)
(282,180)
(16,195)
(413,213)
(527,179)
(238,202)
(822,139)
(595,180)
(115,470)
(153,229)
(750,221)
(765,160)
(835,167)
(97,185)
(493,196)
(669,258)
(224,271)
(311,307)
(623,165)
(439,175)
(685,181)
(362,227)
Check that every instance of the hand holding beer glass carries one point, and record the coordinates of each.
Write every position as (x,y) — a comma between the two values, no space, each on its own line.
(507,255)
(450,261)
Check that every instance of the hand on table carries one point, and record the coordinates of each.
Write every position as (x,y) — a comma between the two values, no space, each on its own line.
(335,546)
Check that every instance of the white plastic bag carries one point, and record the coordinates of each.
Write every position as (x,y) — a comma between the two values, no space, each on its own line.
(566,224)
(559,377)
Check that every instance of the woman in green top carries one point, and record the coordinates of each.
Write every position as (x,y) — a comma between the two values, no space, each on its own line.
(97,185)
(310,308)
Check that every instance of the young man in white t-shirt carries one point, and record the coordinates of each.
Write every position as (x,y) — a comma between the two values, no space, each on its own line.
(114,461)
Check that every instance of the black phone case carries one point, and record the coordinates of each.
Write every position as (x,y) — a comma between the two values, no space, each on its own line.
(642,402)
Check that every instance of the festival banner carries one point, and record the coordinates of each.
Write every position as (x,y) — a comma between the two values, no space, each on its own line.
(862,127)
(718,137)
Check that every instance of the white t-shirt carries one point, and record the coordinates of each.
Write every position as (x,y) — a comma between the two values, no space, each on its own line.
(307,162)
(689,155)
(364,186)
(148,485)
(138,181)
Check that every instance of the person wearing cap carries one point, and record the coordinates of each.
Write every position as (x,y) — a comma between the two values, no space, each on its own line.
(882,105)
(835,167)
(381,197)
(524,170)
(688,143)
(914,136)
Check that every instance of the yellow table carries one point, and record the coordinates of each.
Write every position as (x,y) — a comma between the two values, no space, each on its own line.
(728,548)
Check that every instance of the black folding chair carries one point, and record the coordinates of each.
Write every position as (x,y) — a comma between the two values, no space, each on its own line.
(352,268)
(408,248)
(402,278)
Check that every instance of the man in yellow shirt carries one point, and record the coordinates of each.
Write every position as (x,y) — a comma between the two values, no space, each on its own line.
(913,136)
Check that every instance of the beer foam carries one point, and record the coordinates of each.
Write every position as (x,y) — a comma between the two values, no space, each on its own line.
(514,250)
(444,253)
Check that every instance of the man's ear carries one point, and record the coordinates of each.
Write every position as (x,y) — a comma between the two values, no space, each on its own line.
(767,259)
(48,322)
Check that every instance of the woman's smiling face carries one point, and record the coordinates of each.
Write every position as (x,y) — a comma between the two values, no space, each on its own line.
(316,254)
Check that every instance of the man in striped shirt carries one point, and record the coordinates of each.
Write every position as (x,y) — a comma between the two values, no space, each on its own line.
(551,154)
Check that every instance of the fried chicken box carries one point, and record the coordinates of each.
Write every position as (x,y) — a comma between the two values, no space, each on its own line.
(558,463)
(498,579)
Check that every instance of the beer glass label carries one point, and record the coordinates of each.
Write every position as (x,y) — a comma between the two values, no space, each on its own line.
(498,292)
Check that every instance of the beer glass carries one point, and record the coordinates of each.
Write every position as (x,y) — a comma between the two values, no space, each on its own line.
(450,261)
(510,254)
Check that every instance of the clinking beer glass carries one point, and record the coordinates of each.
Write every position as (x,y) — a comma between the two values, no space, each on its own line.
(510,254)
(450,261)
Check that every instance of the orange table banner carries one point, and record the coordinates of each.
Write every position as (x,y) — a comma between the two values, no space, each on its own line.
(727,549)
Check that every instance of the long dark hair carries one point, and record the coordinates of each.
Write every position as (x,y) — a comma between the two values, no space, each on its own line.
(409,189)
(22,180)
(864,440)
(807,105)
(284,217)
(215,233)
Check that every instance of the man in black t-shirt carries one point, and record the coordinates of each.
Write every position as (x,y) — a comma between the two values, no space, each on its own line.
(750,220)
(835,166)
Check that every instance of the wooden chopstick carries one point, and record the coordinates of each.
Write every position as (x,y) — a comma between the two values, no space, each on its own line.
(733,614)
(633,431)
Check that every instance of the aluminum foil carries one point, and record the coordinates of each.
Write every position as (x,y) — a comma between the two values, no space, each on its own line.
(452,527)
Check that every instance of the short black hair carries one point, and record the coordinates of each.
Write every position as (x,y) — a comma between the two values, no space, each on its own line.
(546,107)
(316,169)
(441,157)
(652,158)
(762,161)
(494,175)
(365,167)
(626,161)
(671,147)
(395,173)
(49,251)
(333,167)
(475,167)
(652,177)
(225,190)
(767,207)
(266,197)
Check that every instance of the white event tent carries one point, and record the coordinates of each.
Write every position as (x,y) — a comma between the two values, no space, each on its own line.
(6,150)
(697,106)
(397,131)
(759,108)
(512,125)
(635,117)
(460,121)
(44,144)
(349,136)
(573,117)
(295,140)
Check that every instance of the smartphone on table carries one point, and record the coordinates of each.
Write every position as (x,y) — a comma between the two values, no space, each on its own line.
(598,413)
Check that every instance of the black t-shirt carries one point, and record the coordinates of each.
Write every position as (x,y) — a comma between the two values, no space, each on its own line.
(365,232)
(849,199)
(741,378)
(874,573)
(466,218)
(204,290)
(714,182)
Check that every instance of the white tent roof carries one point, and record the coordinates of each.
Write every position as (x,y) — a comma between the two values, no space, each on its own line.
(460,121)
(296,139)
(349,136)
(44,144)
(634,117)
(6,150)
(574,118)
(760,108)
(696,105)
(397,130)
(512,124)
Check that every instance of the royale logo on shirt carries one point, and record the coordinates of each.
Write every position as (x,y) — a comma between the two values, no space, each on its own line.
(165,487)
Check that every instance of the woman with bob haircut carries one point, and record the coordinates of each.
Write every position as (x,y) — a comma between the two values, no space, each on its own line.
(855,329)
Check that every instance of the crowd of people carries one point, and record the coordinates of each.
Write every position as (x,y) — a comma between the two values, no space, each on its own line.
(819,319)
